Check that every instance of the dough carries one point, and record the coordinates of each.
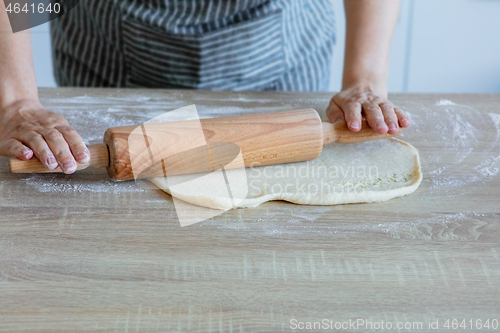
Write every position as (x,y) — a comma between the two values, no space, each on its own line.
(344,173)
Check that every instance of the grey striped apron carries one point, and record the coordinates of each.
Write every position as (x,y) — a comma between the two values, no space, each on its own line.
(196,44)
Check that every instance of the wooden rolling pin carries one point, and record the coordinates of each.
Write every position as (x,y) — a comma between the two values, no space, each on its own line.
(172,148)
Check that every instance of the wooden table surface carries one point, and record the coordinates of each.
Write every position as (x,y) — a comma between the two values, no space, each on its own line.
(81,253)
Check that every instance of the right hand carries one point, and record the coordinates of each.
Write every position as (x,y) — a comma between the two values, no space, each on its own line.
(27,130)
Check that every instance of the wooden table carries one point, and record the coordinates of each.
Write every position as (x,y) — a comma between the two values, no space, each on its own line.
(82,253)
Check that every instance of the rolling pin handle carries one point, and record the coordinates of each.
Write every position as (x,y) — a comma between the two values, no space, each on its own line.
(99,157)
(340,133)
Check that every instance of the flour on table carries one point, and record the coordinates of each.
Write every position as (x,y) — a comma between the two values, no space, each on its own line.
(444,102)
(59,183)
(344,173)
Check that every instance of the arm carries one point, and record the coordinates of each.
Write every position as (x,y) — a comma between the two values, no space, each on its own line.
(15,62)
(369,32)
(26,128)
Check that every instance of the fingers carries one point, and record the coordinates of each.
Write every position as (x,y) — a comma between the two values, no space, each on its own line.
(359,100)
(375,117)
(58,145)
(390,117)
(352,114)
(40,149)
(404,121)
(13,147)
(334,112)
(51,146)
(30,130)
(75,143)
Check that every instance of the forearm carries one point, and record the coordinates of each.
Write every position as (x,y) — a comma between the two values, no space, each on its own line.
(370,26)
(17,74)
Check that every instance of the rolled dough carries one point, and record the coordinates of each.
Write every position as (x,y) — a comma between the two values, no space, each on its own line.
(344,173)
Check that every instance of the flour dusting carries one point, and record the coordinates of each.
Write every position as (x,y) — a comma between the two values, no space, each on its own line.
(66,184)
(490,166)
(444,102)
(496,121)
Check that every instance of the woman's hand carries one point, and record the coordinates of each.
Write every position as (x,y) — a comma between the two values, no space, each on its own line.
(369,29)
(27,130)
(370,101)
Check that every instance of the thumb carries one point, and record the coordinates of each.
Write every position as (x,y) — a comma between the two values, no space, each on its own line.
(334,112)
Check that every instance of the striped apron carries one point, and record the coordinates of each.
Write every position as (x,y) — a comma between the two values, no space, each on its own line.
(196,44)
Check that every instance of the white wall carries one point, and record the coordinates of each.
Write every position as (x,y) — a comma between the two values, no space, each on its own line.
(42,55)
(439,46)
(455,46)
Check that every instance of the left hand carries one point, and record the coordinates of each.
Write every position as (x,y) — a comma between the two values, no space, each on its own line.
(368,100)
